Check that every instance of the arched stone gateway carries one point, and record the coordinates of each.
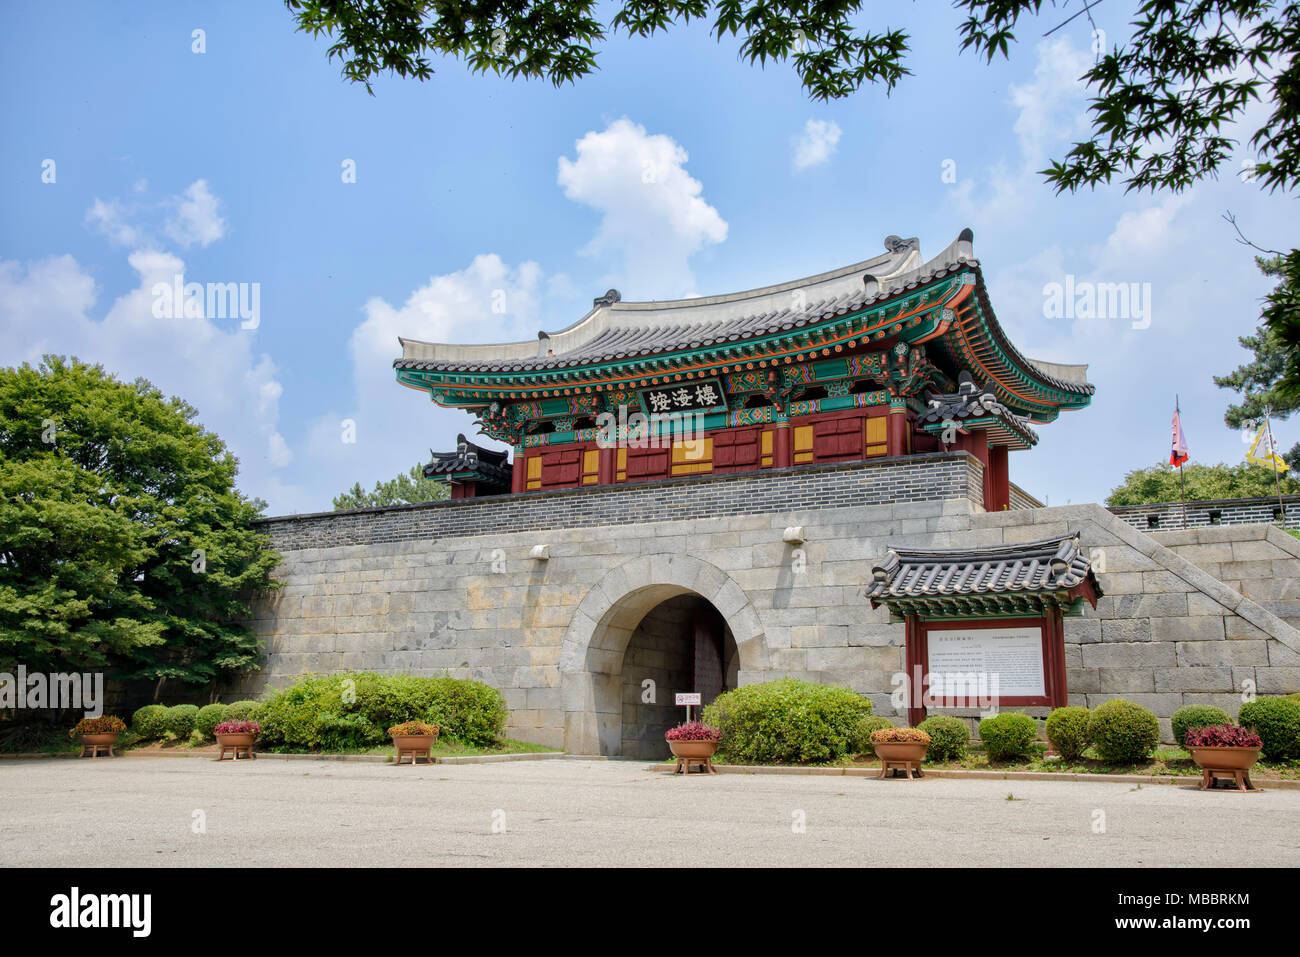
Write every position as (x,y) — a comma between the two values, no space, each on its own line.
(592,656)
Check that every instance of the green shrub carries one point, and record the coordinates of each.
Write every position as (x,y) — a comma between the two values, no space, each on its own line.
(244,711)
(316,714)
(787,722)
(1067,730)
(1008,735)
(149,721)
(1277,722)
(179,720)
(209,717)
(861,743)
(949,737)
(1192,716)
(469,711)
(1123,732)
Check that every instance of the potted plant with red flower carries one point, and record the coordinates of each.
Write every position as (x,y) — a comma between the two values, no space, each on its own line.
(236,737)
(415,738)
(693,743)
(900,749)
(98,734)
(1224,751)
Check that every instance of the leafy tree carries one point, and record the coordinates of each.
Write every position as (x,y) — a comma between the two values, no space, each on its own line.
(1189,68)
(1282,317)
(124,544)
(1263,381)
(1160,483)
(1258,382)
(556,41)
(407,489)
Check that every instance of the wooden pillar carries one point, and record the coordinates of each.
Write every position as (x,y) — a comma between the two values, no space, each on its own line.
(896,430)
(1057,690)
(914,661)
(1000,480)
(782,456)
(605,466)
(517,473)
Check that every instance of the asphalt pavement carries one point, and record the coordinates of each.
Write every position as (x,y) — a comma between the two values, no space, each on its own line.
(146,811)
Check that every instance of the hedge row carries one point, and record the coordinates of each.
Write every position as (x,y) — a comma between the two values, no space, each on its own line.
(355,710)
(343,712)
(1123,732)
(179,722)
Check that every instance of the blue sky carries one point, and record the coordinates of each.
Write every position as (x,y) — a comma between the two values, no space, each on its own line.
(676,169)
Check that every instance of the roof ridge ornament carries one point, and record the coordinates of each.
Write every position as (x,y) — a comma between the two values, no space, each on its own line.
(611,296)
(970,401)
(897,245)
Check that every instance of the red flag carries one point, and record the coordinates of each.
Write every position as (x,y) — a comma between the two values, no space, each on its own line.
(1178,455)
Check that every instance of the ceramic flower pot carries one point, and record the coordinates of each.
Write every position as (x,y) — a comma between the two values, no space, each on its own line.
(693,749)
(699,753)
(98,743)
(236,744)
(901,750)
(1225,759)
(905,756)
(415,745)
(1226,763)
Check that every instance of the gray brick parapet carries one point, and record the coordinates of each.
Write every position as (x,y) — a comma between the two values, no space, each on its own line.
(1167,516)
(926,477)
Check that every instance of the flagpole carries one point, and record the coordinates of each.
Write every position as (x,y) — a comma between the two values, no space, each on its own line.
(1182,480)
(1277,478)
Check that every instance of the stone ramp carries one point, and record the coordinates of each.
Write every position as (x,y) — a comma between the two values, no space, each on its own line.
(1167,632)
(1262,562)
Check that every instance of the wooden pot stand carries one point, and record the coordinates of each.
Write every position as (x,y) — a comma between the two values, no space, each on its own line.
(705,764)
(93,749)
(235,751)
(414,746)
(907,767)
(1240,778)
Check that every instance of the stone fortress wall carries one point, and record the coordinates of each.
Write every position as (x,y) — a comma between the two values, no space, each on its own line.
(542,594)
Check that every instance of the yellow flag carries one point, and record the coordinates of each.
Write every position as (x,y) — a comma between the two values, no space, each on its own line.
(1271,461)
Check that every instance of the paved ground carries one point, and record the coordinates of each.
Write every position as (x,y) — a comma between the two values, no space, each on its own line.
(139,811)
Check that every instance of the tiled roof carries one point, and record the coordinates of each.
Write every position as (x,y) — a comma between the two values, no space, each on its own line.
(629,336)
(1066,378)
(1049,565)
(619,330)
(468,457)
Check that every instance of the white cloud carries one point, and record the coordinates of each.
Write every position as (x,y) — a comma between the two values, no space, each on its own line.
(1051,107)
(1051,113)
(816,144)
(110,219)
(653,214)
(394,427)
(48,307)
(197,218)
(193,217)
(1141,235)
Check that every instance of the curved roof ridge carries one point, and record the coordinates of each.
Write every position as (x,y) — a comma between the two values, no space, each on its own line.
(876,277)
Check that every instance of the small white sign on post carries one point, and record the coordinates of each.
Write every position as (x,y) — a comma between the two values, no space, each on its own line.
(689,699)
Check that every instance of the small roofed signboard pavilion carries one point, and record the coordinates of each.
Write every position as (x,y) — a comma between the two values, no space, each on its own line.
(888,357)
(983,625)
